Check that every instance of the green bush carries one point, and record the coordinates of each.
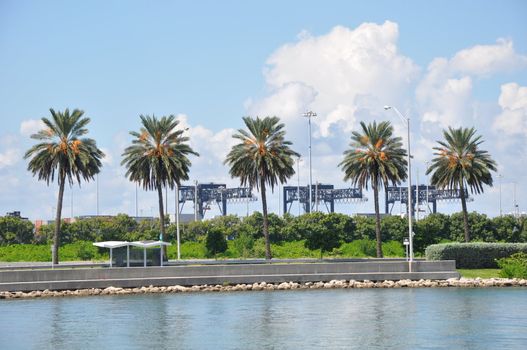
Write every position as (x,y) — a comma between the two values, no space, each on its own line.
(393,249)
(80,250)
(243,245)
(189,250)
(474,255)
(293,250)
(359,248)
(215,242)
(514,267)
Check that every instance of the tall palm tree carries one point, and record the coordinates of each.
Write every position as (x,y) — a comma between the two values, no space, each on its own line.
(263,157)
(459,164)
(158,157)
(377,157)
(62,150)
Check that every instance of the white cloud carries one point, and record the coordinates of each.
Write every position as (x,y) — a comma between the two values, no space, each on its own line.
(31,126)
(444,95)
(344,75)
(513,102)
(108,157)
(9,157)
(484,60)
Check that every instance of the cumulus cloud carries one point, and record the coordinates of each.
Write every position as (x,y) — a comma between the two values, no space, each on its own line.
(513,102)
(338,75)
(483,60)
(9,157)
(444,95)
(31,126)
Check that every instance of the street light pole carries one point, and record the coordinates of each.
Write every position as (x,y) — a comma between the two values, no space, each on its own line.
(410,230)
(499,177)
(298,183)
(310,115)
(177,222)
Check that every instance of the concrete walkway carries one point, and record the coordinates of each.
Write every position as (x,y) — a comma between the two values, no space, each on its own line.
(29,279)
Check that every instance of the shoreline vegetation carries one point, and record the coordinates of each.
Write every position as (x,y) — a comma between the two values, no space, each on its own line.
(263,286)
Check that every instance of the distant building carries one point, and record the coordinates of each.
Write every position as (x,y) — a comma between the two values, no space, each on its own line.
(184,218)
(15,214)
(371,215)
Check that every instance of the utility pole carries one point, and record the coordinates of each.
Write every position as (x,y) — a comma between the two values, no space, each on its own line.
(310,115)
(417,201)
(298,182)
(177,222)
(196,200)
(97,183)
(136,204)
(499,178)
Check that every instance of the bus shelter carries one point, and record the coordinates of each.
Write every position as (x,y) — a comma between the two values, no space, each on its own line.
(140,244)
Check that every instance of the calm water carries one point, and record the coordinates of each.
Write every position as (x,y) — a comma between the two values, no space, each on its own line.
(330,319)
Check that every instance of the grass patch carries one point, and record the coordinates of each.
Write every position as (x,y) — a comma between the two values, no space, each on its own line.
(481,273)
(42,253)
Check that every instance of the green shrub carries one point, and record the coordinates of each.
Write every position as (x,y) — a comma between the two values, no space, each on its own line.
(243,245)
(474,255)
(393,249)
(189,250)
(514,267)
(215,242)
(293,250)
(80,250)
(359,248)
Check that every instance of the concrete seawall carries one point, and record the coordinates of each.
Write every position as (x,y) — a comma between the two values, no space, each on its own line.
(63,279)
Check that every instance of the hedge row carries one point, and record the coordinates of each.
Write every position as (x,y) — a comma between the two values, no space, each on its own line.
(474,255)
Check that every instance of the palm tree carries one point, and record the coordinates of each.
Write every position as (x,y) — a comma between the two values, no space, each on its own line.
(460,164)
(263,157)
(158,157)
(62,150)
(375,157)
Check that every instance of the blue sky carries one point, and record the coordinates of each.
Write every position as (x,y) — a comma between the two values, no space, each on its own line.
(442,63)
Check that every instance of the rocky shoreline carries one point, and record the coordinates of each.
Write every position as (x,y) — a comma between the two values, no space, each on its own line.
(263,286)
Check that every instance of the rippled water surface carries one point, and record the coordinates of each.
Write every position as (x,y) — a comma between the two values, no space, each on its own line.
(331,319)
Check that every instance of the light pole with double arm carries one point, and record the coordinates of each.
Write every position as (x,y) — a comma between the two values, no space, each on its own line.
(410,230)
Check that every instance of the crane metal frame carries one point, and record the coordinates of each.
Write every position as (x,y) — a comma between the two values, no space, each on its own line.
(208,193)
(321,193)
(400,194)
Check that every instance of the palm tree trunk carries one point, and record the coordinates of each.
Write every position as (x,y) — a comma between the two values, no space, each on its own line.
(265,220)
(465,213)
(377,220)
(161,211)
(56,237)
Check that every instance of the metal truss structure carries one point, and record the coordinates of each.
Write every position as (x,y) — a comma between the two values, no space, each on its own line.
(426,194)
(203,195)
(321,194)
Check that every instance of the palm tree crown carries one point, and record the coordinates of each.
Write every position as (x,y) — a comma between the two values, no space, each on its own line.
(64,151)
(376,157)
(262,157)
(159,153)
(262,153)
(459,164)
(158,157)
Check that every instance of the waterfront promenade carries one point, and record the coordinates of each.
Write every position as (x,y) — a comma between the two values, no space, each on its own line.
(190,273)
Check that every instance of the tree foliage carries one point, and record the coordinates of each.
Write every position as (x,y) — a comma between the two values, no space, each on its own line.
(461,164)
(262,158)
(62,151)
(215,241)
(14,230)
(375,157)
(158,157)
